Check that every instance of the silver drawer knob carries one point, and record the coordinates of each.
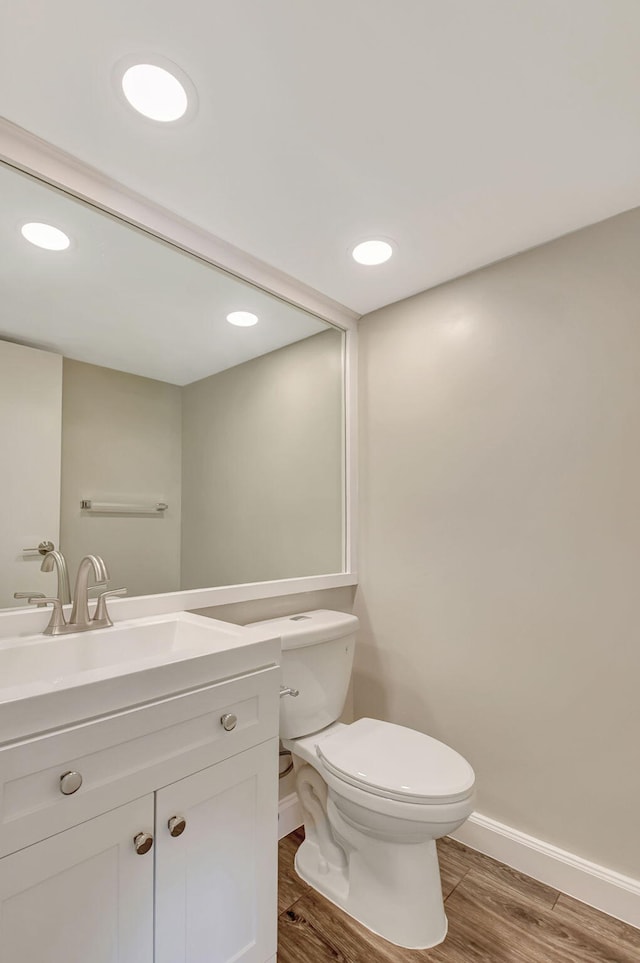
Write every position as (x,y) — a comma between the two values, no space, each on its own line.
(143,843)
(229,721)
(177,825)
(70,782)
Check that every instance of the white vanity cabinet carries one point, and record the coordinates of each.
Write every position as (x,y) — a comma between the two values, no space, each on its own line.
(74,887)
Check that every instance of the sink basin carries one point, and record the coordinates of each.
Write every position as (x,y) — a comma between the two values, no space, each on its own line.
(66,660)
(51,681)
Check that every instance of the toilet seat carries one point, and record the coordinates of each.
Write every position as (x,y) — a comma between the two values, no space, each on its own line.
(396,763)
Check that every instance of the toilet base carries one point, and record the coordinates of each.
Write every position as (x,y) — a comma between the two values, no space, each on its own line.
(393,890)
(331,881)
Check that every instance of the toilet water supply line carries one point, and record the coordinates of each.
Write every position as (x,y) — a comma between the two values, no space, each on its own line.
(312,791)
(285,772)
(287,690)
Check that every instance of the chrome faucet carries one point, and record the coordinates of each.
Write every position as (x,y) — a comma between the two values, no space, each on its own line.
(80,612)
(79,620)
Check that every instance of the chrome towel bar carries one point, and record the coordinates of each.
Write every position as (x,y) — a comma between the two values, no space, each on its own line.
(119,508)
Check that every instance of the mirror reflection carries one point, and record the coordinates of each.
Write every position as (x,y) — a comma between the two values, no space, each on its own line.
(139,423)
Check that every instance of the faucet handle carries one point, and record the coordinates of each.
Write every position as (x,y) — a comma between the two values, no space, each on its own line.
(57,620)
(101,615)
(93,588)
(33,598)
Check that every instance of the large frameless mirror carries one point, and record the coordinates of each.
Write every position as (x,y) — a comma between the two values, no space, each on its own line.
(137,422)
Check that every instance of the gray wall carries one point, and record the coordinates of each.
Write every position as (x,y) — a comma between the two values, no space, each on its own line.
(262,480)
(500,518)
(121,436)
(250,461)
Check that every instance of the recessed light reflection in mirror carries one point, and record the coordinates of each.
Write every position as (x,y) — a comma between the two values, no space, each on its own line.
(45,235)
(242,319)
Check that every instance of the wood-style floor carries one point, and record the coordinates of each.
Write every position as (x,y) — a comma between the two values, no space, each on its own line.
(496,915)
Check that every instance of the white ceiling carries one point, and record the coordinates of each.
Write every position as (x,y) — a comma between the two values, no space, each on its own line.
(122,299)
(464,130)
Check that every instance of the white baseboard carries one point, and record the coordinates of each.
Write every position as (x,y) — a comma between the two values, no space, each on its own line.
(289,814)
(588,882)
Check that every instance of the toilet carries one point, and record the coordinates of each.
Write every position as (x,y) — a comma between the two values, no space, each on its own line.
(375,796)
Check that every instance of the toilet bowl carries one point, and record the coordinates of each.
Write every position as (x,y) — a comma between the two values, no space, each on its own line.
(375,795)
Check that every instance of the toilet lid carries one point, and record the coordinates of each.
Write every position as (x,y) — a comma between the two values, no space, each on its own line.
(395,762)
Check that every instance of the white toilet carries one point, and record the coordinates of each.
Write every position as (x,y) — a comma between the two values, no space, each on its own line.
(375,796)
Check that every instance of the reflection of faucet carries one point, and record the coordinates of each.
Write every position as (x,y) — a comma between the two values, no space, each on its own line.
(31,597)
(80,612)
(57,560)
(51,560)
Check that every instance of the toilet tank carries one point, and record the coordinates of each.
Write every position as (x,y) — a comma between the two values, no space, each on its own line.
(317,658)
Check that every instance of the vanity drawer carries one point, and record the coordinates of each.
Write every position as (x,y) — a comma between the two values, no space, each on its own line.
(124,756)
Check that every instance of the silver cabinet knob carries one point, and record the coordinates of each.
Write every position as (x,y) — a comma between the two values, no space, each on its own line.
(229,721)
(143,843)
(177,825)
(70,782)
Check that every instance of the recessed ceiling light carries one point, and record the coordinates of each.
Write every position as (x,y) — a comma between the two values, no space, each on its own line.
(154,92)
(243,319)
(44,235)
(372,252)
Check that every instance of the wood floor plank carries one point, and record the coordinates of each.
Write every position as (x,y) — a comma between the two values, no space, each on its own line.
(290,886)
(518,882)
(453,866)
(598,924)
(491,921)
(301,937)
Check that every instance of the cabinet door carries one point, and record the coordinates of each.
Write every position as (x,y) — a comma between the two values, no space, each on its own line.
(83,895)
(216,882)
